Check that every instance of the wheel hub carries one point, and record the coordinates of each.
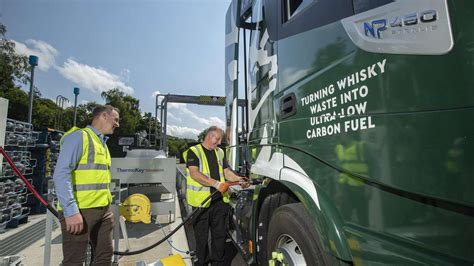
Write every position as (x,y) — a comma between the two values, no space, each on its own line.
(287,252)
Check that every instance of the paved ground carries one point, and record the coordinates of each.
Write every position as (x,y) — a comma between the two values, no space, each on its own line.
(140,236)
(29,242)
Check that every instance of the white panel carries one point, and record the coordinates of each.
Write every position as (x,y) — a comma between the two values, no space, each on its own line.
(137,170)
(403,27)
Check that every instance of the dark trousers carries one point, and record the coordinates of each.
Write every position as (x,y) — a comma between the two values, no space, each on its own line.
(213,218)
(98,224)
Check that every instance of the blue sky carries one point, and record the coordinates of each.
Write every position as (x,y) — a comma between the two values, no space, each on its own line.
(140,46)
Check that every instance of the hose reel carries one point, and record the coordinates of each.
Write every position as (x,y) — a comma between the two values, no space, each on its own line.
(136,208)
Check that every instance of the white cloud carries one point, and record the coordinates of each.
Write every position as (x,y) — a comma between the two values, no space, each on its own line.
(183,108)
(172,116)
(177,106)
(91,78)
(182,132)
(45,52)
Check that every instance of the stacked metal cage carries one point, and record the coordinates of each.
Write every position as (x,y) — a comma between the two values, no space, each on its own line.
(46,152)
(19,136)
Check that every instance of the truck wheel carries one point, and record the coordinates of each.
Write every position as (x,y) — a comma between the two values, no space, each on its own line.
(269,205)
(292,239)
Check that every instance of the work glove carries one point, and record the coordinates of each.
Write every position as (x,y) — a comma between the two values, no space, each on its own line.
(221,186)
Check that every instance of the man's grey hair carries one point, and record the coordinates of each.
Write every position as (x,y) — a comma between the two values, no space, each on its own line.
(212,129)
(99,109)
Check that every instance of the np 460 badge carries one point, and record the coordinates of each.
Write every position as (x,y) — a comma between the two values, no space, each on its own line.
(374,28)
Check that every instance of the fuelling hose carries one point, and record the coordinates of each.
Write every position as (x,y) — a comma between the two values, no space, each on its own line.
(121,253)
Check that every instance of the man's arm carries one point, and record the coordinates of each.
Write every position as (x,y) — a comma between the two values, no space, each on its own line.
(69,156)
(200,177)
(231,176)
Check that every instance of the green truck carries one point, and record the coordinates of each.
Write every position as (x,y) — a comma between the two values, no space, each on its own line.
(358,131)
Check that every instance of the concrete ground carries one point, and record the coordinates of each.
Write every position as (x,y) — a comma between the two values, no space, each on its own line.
(31,241)
(140,236)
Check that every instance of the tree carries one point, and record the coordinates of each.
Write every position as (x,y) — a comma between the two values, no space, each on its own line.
(201,135)
(45,111)
(18,102)
(129,113)
(83,117)
(176,146)
(148,123)
(14,68)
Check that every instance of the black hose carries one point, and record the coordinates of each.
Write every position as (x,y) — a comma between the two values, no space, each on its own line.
(129,253)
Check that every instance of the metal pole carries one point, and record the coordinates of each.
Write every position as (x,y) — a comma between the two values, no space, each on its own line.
(116,231)
(61,105)
(33,60)
(160,146)
(76,93)
(149,130)
(159,140)
(162,128)
(246,131)
(47,238)
(165,116)
(56,119)
(62,99)
(49,226)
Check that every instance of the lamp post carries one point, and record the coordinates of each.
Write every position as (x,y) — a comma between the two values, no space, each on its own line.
(76,92)
(33,60)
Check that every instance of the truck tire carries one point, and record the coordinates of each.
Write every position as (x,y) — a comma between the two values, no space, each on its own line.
(269,205)
(292,236)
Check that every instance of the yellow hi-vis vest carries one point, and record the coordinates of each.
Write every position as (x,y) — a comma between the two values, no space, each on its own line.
(195,192)
(91,178)
(352,159)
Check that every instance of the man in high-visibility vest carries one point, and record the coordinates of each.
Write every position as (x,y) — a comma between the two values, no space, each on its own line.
(82,180)
(207,171)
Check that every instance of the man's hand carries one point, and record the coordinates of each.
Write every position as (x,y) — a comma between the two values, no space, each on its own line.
(221,186)
(74,224)
(244,182)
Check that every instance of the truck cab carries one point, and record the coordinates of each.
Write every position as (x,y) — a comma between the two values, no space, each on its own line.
(357,131)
